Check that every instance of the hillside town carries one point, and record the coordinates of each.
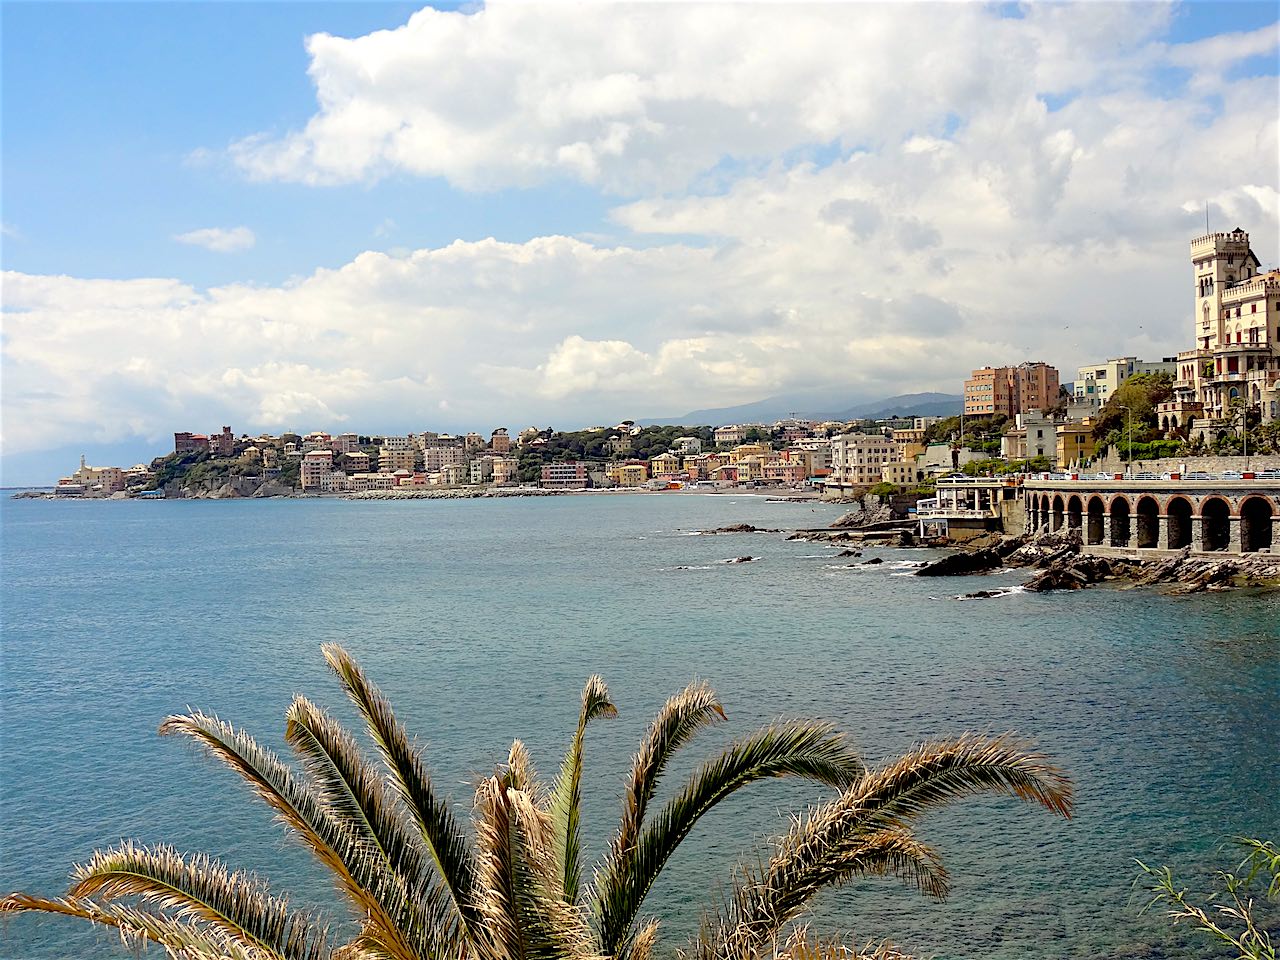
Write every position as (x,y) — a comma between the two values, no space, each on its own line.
(1220,397)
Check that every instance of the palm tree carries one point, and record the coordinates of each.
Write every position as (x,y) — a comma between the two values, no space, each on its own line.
(421,888)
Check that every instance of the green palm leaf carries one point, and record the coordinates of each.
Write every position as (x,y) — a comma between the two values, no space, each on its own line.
(745,926)
(680,718)
(332,841)
(810,749)
(358,797)
(200,888)
(821,848)
(436,822)
(566,798)
(136,926)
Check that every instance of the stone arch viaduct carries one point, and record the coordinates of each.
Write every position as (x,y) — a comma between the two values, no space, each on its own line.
(1208,516)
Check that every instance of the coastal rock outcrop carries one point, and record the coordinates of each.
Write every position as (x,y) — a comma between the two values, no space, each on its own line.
(738,528)
(959,564)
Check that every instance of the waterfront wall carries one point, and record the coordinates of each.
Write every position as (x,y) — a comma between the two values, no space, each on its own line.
(1152,516)
(1114,463)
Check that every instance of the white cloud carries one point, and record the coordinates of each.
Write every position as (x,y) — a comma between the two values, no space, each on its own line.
(634,97)
(1004,189)
(219,239)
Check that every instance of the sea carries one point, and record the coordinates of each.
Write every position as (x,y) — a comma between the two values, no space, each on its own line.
(481,619)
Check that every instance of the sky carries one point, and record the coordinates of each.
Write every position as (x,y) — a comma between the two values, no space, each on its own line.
(387,218)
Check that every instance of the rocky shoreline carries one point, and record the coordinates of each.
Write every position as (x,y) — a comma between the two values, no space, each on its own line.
(1062,565)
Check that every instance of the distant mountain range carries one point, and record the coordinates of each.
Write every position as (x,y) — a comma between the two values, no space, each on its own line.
(820,407)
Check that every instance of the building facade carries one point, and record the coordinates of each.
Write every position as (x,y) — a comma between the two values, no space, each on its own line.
(1095,382)
(1025,388)
(564,476)
(1236,330)
(857,459)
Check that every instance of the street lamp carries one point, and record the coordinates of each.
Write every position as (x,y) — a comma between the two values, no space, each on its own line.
(1129,451)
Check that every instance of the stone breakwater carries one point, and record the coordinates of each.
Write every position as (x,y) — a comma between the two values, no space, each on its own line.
(1062,565)
(462,493)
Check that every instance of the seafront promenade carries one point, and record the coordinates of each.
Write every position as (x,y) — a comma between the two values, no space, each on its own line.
(1151,518)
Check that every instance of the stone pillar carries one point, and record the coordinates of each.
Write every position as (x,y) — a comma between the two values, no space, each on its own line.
(1111,531)
(1108,530)
(1162,535)
(1197,534)
(1236,543)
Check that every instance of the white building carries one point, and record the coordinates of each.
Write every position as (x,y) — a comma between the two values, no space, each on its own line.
(730,435)
(857,459)
(1095,382)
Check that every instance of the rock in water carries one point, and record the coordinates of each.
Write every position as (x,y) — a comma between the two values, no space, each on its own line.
(872,561)
(958,564)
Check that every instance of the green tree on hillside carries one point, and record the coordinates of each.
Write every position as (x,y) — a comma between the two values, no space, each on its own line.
(1141,393)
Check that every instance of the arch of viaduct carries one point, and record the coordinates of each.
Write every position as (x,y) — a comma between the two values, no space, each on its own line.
(1209,517)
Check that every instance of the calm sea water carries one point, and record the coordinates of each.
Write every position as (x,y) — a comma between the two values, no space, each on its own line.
(481,619)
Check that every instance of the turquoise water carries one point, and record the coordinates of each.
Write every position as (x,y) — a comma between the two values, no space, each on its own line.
(481,619)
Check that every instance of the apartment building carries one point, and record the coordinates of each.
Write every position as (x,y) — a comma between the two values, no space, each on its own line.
(857,458)
(391,459)
(345,443)
(665,465)
(631,473)
(506,471)
(316,465)
(1011,390)
(729,435)
(500,441)
(564,476)
(1075,442)
(1096,382)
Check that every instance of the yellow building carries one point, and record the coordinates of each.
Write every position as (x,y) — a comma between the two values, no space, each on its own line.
(393,459)
(664,465)
(740,452)
(1075,442)
(899,472)
(632,474)
(750,468)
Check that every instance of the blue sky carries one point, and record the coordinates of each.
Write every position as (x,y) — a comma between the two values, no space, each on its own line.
(747,217)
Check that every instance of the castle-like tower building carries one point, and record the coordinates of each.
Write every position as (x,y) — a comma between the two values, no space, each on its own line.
(1236,331)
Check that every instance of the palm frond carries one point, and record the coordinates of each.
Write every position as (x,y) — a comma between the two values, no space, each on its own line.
(200,888)
(768,897)
(643,944)
(297,805)
(804,946)
(679,719)
(862,832)
(439,828)
(565,804)
(181,938)
(400,866)
(524,915)
(800,748)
